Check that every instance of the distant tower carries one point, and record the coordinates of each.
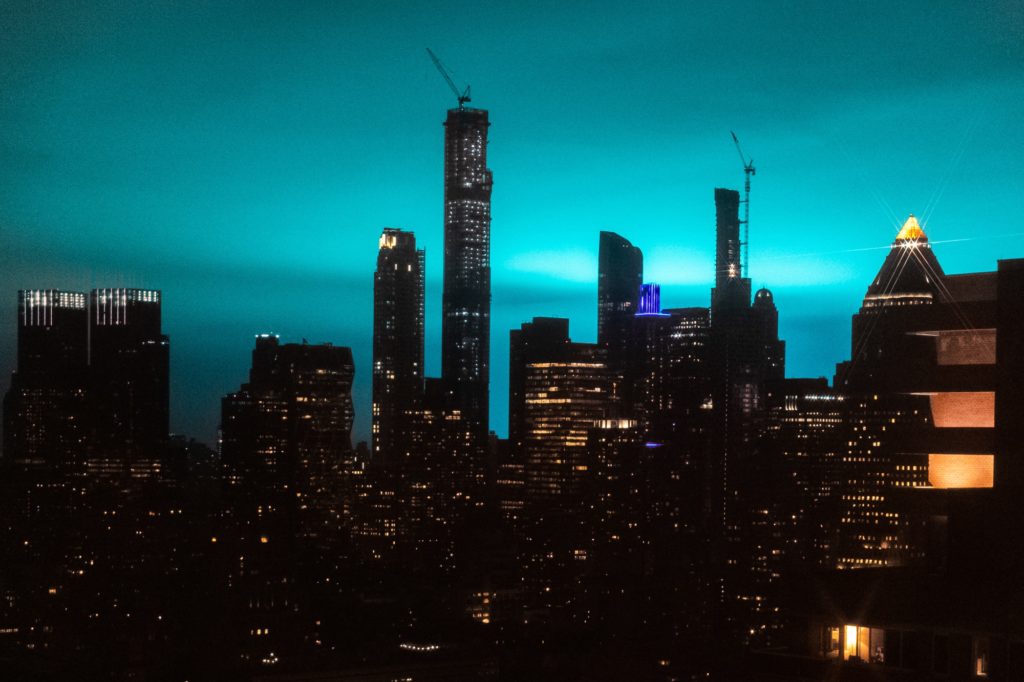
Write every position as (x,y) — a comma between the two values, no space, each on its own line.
(466,302)
(773,348)
(397,341)
(43,411)
(620,272)
(732,290)
(129,368)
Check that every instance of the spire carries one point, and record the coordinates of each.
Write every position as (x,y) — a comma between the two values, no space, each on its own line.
(909,272)
(911,230)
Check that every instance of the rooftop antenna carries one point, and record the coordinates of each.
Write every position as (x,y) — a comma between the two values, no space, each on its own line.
(748,170)
(463,96)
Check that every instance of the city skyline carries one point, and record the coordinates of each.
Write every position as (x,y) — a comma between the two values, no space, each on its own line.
(151,224)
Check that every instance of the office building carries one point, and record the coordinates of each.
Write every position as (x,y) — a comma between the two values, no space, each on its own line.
(286,432)
(543,338)
(930,485)
(620,272)
(44,410)
(564,397)
(129,365)
(398,294)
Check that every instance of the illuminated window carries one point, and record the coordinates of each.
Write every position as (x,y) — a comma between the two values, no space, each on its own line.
(960,471)
(864,644)
(981,656)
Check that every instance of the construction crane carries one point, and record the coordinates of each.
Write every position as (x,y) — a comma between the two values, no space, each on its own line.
(748,170)
(463,96)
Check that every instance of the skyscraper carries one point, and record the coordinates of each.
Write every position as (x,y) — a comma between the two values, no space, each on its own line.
(620,272)
(732,289)
(545,338)
(564,397)
(287,429)
(920,348)
(128,366)
(466,302)
(44,408)
(397,342)
(744,351)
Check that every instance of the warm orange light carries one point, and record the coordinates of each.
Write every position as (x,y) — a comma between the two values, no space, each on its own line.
(964,409)
(910,230)
(849,641)
(960,471)
(264,540)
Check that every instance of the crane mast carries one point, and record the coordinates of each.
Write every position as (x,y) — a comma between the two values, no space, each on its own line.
(748,170)
(463,96)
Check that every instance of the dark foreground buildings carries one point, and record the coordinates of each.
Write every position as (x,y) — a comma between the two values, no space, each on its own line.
(928,489)
(668,506)
(91,389)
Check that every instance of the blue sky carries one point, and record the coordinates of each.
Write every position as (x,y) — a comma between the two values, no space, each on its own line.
(244,157)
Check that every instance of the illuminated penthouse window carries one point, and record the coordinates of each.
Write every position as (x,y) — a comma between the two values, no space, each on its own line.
(960,471)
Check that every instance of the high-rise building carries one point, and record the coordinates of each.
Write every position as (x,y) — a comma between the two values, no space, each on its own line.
(688,377)
(620,272)
(129,365)
(564,397)
(285,433)
(44,409)
(646,363)
(919,350)
(773,349)
(466,301)
(930,481)
(543,338)
(802,474)
(745,352)
(732,289)
(285,443)
(398,294)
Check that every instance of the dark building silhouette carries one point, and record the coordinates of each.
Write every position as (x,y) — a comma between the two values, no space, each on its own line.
(930,490)
(398,294)
(688,377)
(920,348)
(129,366)
(732,290)
(44,410)
(285,433)
(285,444)
(620,272)
(802,475)
(773,349)
(646,361)
(466,301)
(745,352)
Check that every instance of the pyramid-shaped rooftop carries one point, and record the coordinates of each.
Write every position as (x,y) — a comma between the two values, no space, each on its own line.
(911,230)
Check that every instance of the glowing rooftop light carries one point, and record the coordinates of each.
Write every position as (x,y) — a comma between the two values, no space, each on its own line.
(911,230)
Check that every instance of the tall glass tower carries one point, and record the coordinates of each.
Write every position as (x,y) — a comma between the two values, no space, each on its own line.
(466,303)
(620,272)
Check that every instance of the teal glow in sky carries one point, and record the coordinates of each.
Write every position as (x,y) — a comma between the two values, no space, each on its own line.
(244,157)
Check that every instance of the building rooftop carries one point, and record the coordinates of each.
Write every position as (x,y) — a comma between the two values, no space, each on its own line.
(911,230)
